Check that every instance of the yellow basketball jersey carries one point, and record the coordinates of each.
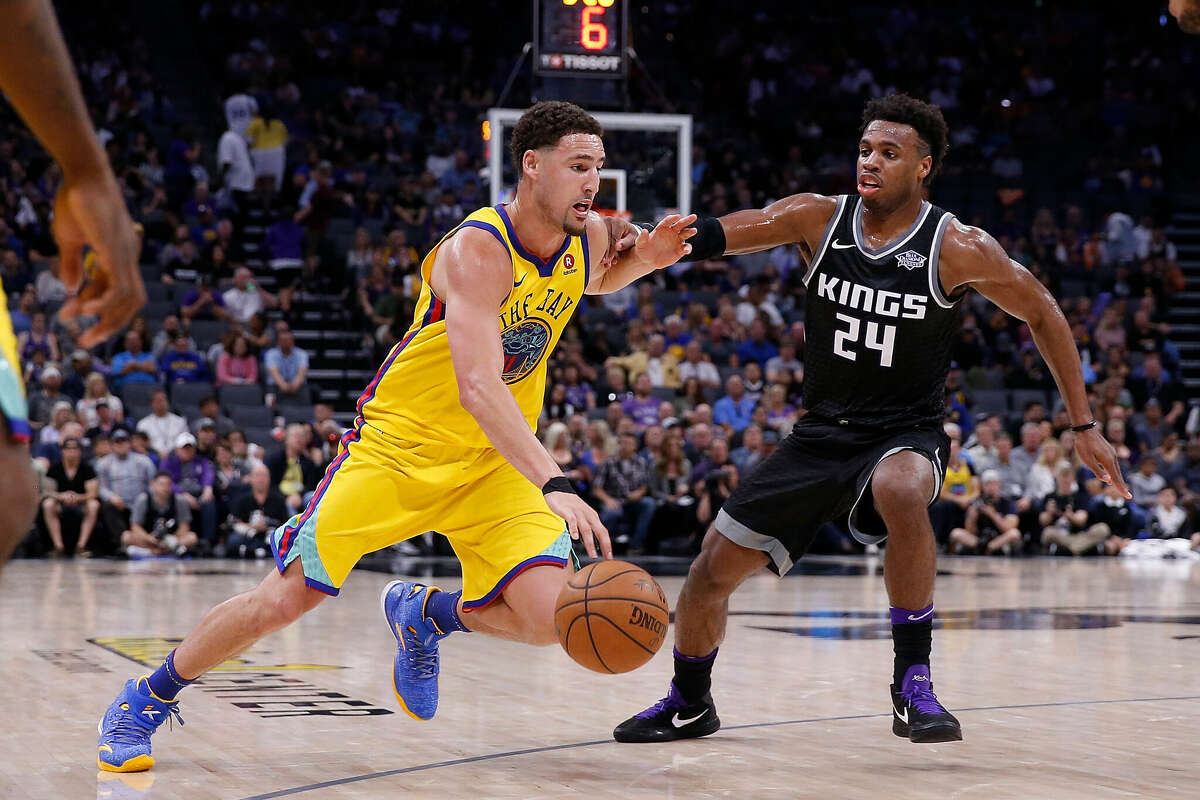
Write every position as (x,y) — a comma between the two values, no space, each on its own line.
(414,396)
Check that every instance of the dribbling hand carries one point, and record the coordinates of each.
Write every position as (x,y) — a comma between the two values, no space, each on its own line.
(582,522)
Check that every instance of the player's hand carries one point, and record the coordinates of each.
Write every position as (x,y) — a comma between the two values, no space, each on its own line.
(91,211)
(622,235)
(583,522)
(667,243)
(1098,455)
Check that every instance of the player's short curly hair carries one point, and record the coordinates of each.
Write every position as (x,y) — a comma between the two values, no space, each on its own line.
(925,118)
(544,124)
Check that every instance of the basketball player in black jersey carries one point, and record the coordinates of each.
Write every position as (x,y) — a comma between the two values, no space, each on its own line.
(886,271)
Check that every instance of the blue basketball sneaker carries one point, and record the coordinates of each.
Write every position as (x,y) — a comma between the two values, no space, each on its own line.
(124,743)
(917,714)
(415,673)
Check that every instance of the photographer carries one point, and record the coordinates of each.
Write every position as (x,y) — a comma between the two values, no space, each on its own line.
(1064,520)
(160,523)
(991,524)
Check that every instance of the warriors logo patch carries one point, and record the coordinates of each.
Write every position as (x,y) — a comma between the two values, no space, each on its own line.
(911,260)
(524,345)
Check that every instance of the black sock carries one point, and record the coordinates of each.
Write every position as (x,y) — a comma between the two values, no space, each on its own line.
(913,642)
(693,675)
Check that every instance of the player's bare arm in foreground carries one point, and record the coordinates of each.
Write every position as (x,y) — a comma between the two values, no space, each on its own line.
(37,77)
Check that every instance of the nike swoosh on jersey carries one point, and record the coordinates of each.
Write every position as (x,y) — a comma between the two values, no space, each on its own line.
(836,245)
(518,283)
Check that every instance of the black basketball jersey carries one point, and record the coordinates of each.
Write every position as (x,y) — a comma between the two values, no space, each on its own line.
(878,326)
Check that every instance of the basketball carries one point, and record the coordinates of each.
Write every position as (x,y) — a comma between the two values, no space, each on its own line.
(611,616)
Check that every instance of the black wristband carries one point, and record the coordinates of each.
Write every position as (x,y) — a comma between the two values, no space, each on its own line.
(709,240)
(1087,426)
(560,483)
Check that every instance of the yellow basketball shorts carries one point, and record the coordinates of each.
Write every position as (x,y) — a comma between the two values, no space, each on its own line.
(12,387)
(381,490)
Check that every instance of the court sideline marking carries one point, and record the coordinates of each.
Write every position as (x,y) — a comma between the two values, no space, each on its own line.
(575,745)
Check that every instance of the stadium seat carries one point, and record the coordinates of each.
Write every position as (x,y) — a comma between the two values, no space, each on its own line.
(207,332)
(258,416)
(294,412)
(138,394)
(990,401)
(259,436)
(157,292)
(1021,397)
(663,393)
(190,394)
(240,394)
(302,396)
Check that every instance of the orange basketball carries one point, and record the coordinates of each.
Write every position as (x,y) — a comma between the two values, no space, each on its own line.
(611,616)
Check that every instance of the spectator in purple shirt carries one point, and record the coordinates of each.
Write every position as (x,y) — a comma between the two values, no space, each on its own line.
(643,407)
(193,476)
(201,302)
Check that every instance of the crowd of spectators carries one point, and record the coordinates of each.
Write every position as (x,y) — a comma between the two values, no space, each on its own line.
(336,173)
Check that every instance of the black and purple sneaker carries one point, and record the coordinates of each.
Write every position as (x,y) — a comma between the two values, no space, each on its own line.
(669,719)
(916,713)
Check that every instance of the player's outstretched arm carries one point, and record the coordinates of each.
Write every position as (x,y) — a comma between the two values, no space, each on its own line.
(970,258)
(473,276)
(38,79)
(648,250)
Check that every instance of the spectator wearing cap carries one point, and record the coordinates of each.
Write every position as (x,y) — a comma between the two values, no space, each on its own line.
(95,393)
(75,379)
(43,401)
(206,438)
(210,410)
(244,299)
(74,496)
(734,410)
(133,364)
(201,302)
(124,476)
(160,522)
(161,425)
(193,477)
(286,364)
(181,364)
(991,521)
(106,421)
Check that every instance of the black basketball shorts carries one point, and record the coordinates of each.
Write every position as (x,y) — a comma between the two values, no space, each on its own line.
(821,470)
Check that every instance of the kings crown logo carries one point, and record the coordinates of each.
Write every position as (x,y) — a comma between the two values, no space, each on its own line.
(911,260)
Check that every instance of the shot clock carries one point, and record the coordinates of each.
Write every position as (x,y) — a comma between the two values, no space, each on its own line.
(579,38)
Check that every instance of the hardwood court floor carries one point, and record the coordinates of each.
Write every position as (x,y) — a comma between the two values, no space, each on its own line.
(1073,679)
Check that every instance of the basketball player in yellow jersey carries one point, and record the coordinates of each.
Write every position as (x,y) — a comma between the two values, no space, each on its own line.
(444,440)
(37,78)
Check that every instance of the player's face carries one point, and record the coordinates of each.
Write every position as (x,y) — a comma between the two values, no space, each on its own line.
(892,163)
(568,178)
